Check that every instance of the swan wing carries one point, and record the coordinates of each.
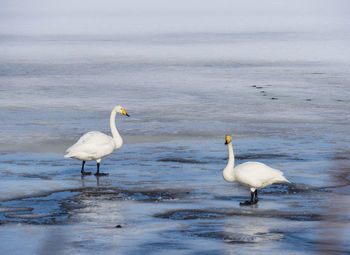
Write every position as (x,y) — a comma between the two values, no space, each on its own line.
(258,175)
(92,145)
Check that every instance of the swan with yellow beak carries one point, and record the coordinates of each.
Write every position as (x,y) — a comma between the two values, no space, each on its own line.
(252,174)
(96,145)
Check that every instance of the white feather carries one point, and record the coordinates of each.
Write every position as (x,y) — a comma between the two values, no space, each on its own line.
(257,175)
(91,146)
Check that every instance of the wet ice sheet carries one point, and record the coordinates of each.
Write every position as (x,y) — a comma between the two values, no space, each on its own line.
(135,164)
(174,199)
(93,228)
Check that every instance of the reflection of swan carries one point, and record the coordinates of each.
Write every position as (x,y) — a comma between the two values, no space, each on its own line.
(96,145)
(252,174)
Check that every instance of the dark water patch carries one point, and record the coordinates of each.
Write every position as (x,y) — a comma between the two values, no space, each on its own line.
(57,164)
(15,209)
(290,189)
(146,165)
(35,176)
(228,237)
(181,160)
(43,209)
(330,246)
(277,189)
(231,198)
(113,193)
(302,188)
(22,164)
(20,216)
(72,204)
(317,73)
(191,215)
(254,156)
(194,214)
(341,156)
(55,207)
(162,245)
(257,157)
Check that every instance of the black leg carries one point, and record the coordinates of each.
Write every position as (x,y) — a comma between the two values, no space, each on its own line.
(98,171)
(82,169)
(252,201)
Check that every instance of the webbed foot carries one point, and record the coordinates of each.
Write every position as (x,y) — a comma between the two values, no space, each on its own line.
(248,203)
(101,174)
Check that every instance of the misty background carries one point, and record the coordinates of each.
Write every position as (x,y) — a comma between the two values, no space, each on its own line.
(107,17)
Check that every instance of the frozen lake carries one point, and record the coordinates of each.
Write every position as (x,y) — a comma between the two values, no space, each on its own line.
(279,86)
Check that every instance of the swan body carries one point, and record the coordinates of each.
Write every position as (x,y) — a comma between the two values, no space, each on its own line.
(96,145)
(252,174)
(92,146)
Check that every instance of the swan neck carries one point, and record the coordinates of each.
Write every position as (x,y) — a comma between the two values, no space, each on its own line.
(231,156)
(116,136)
(228,172)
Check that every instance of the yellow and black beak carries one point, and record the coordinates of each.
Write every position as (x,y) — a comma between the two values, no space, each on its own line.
(124,112)
(227,140)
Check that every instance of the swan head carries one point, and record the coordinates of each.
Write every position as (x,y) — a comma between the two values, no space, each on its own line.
(228,139)
(121,110)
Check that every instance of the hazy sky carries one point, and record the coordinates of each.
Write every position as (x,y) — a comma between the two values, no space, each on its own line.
(157,16)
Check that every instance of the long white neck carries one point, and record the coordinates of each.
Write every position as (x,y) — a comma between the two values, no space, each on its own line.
(116,136)
(228,172)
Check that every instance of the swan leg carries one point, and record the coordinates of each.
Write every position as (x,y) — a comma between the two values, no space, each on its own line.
(252,200)
(82,169)
(98,171)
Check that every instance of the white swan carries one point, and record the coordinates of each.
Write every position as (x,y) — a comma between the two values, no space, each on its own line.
(252,174)
(95,145)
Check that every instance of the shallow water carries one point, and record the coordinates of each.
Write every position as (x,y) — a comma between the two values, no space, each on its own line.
(283,94)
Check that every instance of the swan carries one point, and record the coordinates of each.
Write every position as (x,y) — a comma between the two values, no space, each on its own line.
(95,145)
(252,174)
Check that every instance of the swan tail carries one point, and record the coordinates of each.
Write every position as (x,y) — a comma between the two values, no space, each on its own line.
(67,155)
(283,179)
